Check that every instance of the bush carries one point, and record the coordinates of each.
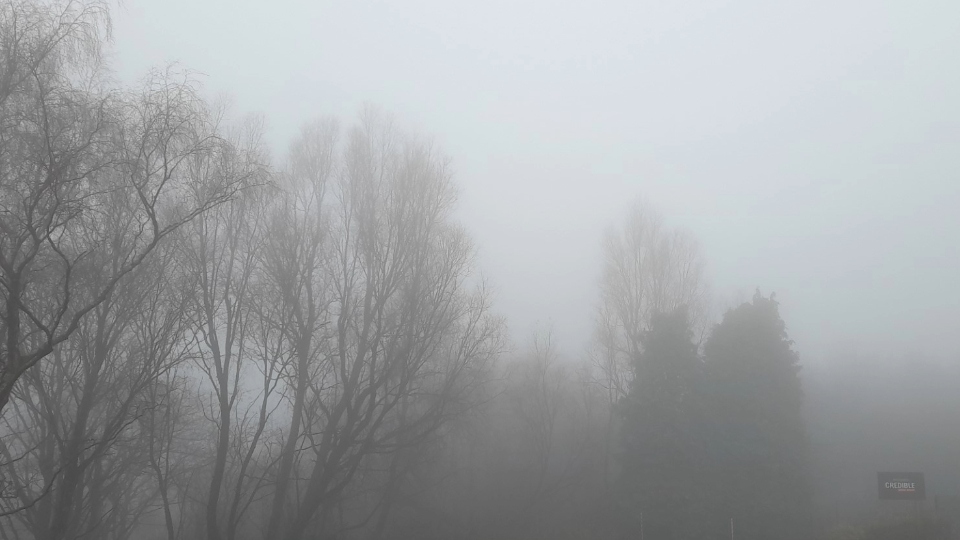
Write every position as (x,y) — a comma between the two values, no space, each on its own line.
(913,529)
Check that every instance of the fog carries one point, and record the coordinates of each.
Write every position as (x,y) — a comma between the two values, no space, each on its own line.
(492,270)
(810,146)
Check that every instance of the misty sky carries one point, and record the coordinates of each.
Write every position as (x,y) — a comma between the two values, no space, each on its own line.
(813,147)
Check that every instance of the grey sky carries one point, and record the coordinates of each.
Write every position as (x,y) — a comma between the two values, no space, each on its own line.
(811,146)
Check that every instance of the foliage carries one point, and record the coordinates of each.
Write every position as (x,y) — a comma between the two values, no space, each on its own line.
(757,437)
(662,432)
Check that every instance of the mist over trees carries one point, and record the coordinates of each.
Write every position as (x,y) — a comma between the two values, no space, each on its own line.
(201,340)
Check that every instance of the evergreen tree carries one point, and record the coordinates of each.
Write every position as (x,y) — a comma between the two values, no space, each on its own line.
(757,440)
(662,454)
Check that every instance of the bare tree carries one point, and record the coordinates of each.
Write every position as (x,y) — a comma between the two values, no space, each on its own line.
(91,175)
(408,339)
(220,252)
(537,402)
(165,427)
(647,267)
(74,417)
(297,269)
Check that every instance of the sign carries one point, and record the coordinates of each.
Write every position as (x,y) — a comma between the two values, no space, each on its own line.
(904,486)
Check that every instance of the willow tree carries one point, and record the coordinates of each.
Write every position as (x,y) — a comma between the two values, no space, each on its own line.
(92,176)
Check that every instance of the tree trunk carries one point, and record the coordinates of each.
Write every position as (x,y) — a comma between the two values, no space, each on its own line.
(289,449)
(219,468)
